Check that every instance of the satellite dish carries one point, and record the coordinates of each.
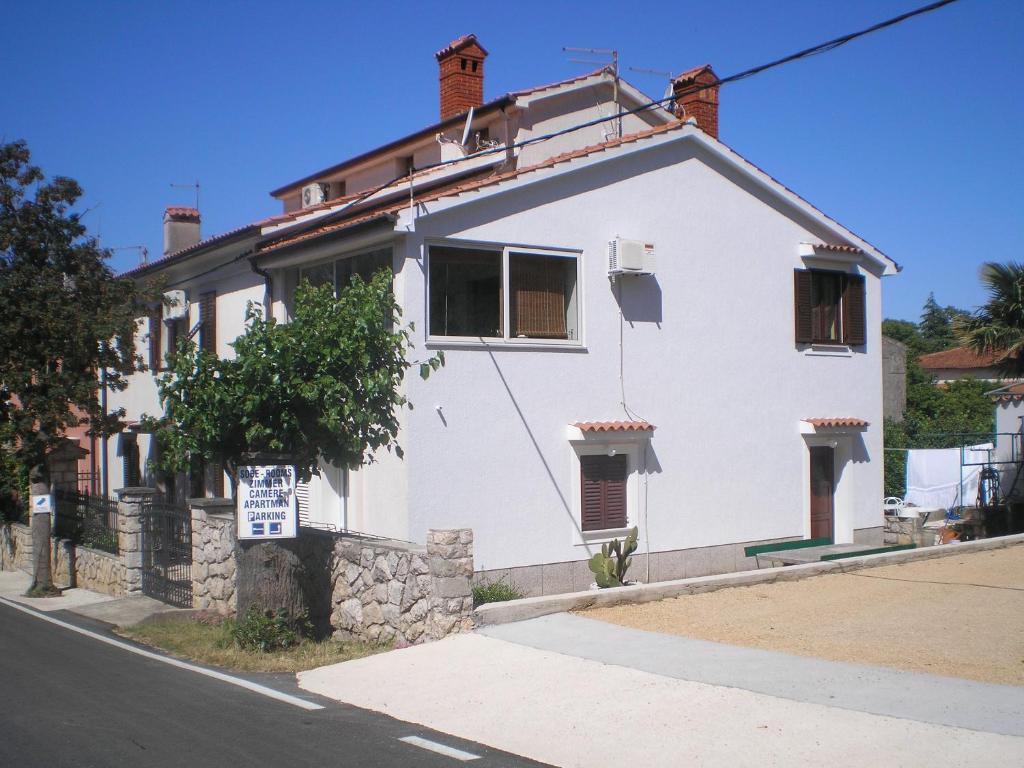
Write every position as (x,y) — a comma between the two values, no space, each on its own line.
(469,124)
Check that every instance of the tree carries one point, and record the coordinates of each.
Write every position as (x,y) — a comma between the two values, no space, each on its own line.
(64,317)
(936,326)
(326,385)
(998,325)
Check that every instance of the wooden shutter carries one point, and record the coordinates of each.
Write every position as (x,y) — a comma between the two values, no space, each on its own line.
(854,311)
(208,322)
(156,322)
(603,488)
(537,295)
(802,306)
(218,479)
(130,461)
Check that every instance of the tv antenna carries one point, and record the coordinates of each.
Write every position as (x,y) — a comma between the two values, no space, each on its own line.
(611,59)
(143,252)
(661,72)
(190,186)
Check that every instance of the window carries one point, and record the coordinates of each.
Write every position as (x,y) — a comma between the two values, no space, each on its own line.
(130,461)
(176,329)
(603,491)
(829,307)
(338,273)
(208,322)
(155,337)
(503,294)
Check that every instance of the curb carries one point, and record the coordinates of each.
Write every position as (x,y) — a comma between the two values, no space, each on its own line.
(533,607)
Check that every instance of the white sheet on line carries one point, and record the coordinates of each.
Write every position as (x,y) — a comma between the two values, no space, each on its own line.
(934,476)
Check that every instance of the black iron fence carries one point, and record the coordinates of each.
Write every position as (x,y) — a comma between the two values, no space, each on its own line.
(87,520)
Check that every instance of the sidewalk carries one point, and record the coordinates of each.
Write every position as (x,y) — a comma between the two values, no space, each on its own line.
(574,692)
(119,611)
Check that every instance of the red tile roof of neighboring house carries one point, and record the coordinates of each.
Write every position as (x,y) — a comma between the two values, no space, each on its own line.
(182,212)
(614,426)
(838,422)
(393,207)
(961,357)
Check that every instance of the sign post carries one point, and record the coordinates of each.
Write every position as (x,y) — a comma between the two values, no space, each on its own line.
(266,502)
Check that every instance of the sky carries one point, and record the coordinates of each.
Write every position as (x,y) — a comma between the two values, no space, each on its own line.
(909,137)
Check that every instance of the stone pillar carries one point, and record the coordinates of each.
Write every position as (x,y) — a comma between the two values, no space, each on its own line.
(129,535)
(450,557)
(213,555)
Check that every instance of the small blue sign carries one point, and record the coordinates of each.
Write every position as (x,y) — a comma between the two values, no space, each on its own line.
(257,529)
(275,529)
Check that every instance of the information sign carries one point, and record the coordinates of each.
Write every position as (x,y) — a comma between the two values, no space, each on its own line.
(266,502)
(42,505)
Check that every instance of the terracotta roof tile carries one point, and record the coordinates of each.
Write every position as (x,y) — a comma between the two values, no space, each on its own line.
(1006,394)
(961,357)
(690,74)
(838,422)
(181,212)
(458,43)
(614,426)
(393,207)
(838,248)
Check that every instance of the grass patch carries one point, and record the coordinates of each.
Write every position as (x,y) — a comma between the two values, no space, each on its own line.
(496,592)
(213,643)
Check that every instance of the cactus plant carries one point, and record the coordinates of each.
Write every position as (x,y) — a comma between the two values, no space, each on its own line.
(611,563)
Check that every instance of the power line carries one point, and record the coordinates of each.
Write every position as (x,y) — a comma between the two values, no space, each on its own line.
(824,47)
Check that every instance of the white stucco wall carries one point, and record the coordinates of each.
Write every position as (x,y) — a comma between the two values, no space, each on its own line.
(709,358)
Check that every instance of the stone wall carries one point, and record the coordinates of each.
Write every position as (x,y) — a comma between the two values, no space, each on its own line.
(357,588)
(213,555)
(93,569)
(908,530)
(15,547)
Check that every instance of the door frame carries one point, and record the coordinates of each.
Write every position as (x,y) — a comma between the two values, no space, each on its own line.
(842,487)
(829,462)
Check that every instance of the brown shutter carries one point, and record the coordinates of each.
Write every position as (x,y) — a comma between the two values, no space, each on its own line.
(603,486)
(218,479)
(208,322)
(854,311)
(802,306)
(538,297)
(155,338)
(130,462)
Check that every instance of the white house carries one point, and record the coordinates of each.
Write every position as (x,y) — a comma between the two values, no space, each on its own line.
(720,388)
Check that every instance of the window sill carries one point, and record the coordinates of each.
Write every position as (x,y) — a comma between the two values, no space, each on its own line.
(547,345)
(828,350)
(589,538)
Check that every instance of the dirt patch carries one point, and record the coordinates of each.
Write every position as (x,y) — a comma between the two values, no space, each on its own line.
(959,616)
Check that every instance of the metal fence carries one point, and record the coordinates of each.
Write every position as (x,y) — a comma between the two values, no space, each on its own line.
(87,520)
(167,553)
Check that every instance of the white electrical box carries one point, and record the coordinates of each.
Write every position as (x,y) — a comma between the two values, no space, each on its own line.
(175,305)
(630,257)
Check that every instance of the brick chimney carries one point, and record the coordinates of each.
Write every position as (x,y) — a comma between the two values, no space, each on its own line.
(461,65)
(701,105)
(181,229)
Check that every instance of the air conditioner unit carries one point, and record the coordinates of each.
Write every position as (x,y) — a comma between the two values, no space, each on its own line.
(630,257)
(175,305)
(316,193)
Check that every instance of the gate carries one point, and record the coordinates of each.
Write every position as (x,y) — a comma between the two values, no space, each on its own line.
(167,553)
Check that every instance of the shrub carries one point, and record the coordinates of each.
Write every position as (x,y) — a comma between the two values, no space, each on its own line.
(496,592)
(266,631)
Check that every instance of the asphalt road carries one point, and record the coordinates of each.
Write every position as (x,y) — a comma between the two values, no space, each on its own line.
(70,700)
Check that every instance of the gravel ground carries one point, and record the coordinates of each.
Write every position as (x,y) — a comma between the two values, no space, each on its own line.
(959,616)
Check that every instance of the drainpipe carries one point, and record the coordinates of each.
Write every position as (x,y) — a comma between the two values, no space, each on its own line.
(268,298)
(104,462)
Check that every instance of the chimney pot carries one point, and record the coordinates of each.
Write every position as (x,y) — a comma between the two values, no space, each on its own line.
(181,229)
(701,105)
(461,75)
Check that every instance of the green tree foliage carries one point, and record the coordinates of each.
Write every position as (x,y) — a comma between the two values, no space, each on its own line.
(998,325)
(326,384)
(936,417)
(64,317)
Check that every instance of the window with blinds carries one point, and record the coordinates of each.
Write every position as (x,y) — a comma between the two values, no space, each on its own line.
(829,307)
(156,323)
(502,293)
(603,492)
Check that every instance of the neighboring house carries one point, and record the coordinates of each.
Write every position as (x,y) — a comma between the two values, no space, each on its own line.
(725,392)
(961,363)
(894,379)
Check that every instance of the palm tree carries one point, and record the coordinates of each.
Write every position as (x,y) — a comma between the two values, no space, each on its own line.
(998,325)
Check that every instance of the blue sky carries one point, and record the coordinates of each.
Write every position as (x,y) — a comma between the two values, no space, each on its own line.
(909,137)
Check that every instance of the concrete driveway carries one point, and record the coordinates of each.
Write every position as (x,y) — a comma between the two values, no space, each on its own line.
(572,691)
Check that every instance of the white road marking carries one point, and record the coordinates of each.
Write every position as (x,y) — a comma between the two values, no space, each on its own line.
(441,749)
(249,686)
